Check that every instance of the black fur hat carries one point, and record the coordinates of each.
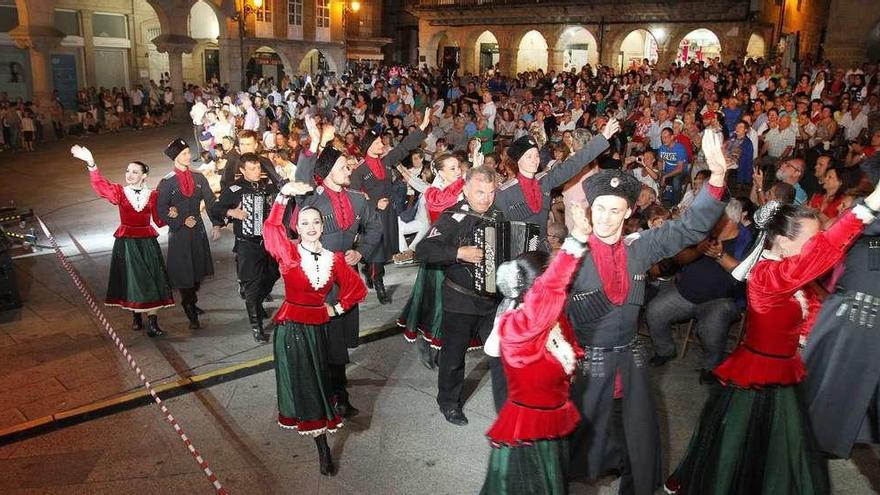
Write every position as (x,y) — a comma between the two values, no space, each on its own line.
(519,147)
(613,182)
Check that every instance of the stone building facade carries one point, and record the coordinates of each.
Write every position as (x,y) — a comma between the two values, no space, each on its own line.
(48,45)
(602,31)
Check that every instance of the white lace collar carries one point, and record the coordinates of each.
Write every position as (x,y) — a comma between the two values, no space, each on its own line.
(318,271)
(138,198)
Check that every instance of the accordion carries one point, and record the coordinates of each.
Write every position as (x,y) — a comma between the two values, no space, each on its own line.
(256,206)
(500,242)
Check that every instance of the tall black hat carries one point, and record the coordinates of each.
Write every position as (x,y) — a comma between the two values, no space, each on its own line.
(175,147)
(613,182)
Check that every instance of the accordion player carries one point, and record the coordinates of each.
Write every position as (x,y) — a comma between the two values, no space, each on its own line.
(500,242)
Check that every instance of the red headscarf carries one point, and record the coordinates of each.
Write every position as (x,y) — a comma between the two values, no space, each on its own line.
(185,179)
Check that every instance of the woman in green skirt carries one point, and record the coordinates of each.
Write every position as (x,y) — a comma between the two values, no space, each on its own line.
(754,436)
(539,351)
(310,272)
(138,281)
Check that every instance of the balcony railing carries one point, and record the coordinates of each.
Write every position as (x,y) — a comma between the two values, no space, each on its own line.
(491,3)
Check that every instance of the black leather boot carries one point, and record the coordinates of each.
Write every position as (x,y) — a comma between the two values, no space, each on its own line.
(256,323)
(325,457)
(383,296)
(192,315)
(343,407)
(137,321)
(153,329)
(366,271)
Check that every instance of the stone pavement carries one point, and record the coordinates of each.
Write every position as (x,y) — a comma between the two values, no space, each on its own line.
(53,357)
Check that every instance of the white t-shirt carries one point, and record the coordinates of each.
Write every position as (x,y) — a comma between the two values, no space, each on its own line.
(489,112)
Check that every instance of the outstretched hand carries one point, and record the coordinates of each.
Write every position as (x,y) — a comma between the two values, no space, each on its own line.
(312,128)
(712,141)
(611,128)
(83,153)
(426,120)
(295,188)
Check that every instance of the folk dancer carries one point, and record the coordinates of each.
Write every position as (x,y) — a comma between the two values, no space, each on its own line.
(301,324)
(180,195)
(352,227)
(137,281)
(619,430)
(374,177)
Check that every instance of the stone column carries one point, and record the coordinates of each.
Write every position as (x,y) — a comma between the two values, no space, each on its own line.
(175,46)
(556,59)
(38,41)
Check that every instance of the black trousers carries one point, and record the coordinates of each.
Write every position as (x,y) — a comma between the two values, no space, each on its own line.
(257,271)
(458,330)
(189,295)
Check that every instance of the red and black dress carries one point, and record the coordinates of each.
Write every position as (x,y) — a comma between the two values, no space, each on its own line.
(423,313)
(138,281)
(754,436)
(530,451)
(301,326)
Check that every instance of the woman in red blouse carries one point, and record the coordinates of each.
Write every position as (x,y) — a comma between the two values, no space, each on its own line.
(754,436)
(310,272)
(422,314)
(835,182)
(539,352)
(138,281)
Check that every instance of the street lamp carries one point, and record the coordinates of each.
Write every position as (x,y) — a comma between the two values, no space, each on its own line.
(241,16)
(354,6)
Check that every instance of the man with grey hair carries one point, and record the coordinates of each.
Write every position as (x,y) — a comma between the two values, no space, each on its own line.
(466,312)
(703,290)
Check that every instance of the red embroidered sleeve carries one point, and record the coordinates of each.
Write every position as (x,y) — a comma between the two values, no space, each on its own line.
(522,329)
(275,237)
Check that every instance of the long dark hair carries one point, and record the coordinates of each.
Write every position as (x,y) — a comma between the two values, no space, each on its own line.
(787,221)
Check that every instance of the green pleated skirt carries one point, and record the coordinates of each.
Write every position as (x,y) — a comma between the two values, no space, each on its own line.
(138,280)
(423,314)
(537,468)
(303,380)
(752,442)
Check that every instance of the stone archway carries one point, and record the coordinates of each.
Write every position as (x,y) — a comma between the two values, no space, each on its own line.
(487,52)
(265,61)
(531,53)
(579,48)
(207,26)
(701,45)
(316,62)
(756,47)
(634,47)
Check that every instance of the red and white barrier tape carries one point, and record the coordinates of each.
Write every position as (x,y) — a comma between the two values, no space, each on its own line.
(96,309)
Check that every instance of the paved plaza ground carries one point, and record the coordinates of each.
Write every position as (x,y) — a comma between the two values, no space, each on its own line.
(54,357)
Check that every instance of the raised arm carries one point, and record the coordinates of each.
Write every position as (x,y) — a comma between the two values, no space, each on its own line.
(103,187)
(402,150)
(562,173)
(438,199)
(275,235)
(817,256)
(523,328)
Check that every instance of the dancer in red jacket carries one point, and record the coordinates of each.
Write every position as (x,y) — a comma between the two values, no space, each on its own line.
(138,281)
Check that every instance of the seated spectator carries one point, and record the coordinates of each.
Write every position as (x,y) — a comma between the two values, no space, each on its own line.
(703,290)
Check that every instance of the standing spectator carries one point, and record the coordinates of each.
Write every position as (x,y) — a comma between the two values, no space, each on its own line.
(673,157)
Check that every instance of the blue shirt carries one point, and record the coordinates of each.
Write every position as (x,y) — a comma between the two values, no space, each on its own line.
(800,196)
(731,117)
(470,129)
(671,155)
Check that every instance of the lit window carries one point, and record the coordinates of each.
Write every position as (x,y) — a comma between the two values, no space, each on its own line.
(295,12)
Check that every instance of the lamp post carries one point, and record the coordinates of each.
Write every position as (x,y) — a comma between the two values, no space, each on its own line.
(353,6)
(241,16)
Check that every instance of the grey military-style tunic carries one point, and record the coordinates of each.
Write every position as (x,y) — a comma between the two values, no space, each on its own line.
(363,235)
(512,202)
(608,334)
(189,253)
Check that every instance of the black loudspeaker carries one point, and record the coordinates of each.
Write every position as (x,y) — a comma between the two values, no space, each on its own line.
(9,296)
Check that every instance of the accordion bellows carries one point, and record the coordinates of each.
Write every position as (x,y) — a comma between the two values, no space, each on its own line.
(500,242)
